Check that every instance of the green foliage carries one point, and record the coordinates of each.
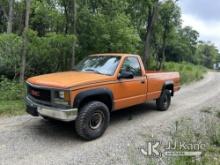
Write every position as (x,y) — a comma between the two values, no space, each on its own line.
(10,48)
(101,26)
(218,114)
(188,72)
(138,12)
(207,54)
(10,90)
(44,16)
(101,33)
(49,53)
(12,107)
(207,131)
(2,22)
(11,98)
(182,46)
(45,54)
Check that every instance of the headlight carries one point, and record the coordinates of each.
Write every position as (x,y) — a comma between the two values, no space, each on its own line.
(61,94)
(61,97)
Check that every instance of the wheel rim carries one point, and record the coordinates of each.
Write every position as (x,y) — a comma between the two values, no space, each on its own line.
(96,120)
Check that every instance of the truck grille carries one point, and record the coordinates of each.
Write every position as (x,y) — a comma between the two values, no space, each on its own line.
(39,94)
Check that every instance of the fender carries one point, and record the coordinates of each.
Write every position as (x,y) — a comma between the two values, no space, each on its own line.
(169,84)
(93,93)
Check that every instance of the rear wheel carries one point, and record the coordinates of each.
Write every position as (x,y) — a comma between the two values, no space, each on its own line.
(163,103)
(92,120)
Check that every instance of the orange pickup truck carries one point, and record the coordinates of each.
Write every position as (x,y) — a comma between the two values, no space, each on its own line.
(98,85)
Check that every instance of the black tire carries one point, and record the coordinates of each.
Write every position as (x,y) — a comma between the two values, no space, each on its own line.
(92,120)
(163,103)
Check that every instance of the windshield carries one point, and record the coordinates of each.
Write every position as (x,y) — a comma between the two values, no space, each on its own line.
(99,64)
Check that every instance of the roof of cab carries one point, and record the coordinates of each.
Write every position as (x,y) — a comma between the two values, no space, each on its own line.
(114,54)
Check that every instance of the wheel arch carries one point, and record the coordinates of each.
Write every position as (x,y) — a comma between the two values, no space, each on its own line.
(100,94)
(169,85)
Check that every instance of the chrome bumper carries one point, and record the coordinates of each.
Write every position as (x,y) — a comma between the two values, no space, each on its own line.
(36,109)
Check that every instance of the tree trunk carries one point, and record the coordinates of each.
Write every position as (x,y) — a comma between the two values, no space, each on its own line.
(3,12)
(25,41)
(74,32)
(161,58)
(150,21)
(66,17)
(10,16)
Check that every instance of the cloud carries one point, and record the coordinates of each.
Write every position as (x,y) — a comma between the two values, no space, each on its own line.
(204,17)
(206,10)
(207,31)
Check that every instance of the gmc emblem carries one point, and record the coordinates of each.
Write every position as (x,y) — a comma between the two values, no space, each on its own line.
(35,93)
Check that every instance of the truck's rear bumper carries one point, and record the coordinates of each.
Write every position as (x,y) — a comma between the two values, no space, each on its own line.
(36,109)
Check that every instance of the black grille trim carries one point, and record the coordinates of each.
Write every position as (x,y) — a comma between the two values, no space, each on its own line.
(47,102)
(40,94)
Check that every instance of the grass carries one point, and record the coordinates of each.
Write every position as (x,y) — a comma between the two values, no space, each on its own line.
(218,114)
(11,98)
(205,129)
(207,110)
(12,107)
(188,72)
(208,132)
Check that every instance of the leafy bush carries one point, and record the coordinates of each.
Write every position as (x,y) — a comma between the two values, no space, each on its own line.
(188,72)
(10,49)
(11,97)
(11,108)
(10,90)
(45,54)
(49,54)
(106,33)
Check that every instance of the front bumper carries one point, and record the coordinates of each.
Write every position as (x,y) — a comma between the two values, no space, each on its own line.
(36,109)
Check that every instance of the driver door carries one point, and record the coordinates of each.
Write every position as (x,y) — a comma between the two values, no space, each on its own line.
(130,91)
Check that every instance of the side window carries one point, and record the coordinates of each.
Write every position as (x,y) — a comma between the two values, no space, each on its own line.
(131,64)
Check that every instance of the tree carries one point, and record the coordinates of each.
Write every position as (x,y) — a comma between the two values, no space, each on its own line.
(207,53)
(25,41)
(10,16)
(143,15)
(169,19)
(189,38)
(74,13)
(70,12)
(3,15)
(149,28)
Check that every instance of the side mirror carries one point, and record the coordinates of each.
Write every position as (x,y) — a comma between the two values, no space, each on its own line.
(126,75)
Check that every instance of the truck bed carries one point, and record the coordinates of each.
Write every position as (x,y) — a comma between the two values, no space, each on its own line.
(156,80)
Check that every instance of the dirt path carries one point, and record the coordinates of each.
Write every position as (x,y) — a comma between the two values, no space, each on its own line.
(28,140)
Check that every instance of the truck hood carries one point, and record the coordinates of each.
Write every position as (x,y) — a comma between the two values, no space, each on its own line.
(67,79)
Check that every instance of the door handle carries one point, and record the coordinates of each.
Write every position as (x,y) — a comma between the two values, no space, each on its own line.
(142,81)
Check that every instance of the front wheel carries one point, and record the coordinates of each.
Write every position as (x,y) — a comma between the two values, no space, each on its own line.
(163,103)
(92,120)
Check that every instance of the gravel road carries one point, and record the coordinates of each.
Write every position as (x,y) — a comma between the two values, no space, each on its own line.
(28,140)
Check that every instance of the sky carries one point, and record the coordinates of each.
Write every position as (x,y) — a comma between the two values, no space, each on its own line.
(203,16)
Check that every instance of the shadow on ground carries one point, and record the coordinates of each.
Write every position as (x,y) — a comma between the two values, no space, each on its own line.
(56,130)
